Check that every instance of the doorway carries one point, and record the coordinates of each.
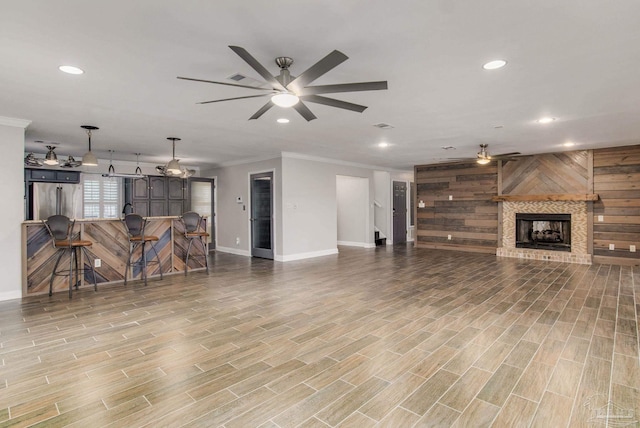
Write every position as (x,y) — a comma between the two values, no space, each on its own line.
(201,200)
(399,212)
(261,188)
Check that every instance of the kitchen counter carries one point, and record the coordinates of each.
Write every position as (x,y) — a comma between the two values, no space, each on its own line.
(110,245)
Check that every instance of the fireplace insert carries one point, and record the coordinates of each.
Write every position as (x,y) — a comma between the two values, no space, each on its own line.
(543,231)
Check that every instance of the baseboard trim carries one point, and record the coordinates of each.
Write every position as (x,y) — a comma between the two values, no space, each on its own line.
(310,255)
(10,295)
(236,251)
(357,244)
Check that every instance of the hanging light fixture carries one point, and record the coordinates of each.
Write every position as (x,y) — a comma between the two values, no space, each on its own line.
(51,158)
(89,159)
(112,170)
(138,169)
(173,167)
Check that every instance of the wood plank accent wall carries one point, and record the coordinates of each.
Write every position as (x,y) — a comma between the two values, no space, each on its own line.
(616,178)
(550,173)
(471,217)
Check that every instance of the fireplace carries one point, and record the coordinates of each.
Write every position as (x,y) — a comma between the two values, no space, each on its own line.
(543,231)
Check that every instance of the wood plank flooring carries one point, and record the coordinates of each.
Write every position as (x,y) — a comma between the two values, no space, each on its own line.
(389,337)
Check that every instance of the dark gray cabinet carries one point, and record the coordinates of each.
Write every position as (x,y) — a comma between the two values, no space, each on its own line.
(52,176)
(156,196)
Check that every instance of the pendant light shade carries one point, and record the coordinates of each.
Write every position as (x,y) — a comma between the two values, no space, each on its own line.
(51,158)
(173,167)
(89,159)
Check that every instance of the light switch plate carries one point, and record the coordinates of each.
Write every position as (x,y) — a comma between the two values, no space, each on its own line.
(632,248)
(600,218)
(612,246)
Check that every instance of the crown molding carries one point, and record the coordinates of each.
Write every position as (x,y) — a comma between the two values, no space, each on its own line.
(16,123)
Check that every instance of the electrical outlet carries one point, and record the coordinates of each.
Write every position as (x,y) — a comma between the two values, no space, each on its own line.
(97,263)
(237,241)
(451,197)
(600,218)
(449,237)
(632,248)
(612,246)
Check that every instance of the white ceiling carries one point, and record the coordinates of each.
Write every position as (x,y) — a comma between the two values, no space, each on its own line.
(575,60)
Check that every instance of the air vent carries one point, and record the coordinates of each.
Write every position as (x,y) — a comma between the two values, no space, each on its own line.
(383,125)
(237,77)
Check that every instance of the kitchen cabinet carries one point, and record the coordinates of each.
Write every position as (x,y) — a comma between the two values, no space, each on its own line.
(52,176)
(156,195)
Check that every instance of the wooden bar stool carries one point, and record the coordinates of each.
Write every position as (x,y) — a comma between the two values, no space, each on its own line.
(60,228)
(192,221)
(135,225)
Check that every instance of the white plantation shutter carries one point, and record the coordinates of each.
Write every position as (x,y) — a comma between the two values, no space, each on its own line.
(102,196)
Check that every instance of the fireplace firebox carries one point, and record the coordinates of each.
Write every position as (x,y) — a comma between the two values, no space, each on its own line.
(543,231)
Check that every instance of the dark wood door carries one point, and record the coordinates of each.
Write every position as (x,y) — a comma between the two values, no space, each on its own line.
(399,212)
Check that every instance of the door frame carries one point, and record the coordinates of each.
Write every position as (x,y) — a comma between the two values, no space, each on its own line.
(273,210)
(214,202)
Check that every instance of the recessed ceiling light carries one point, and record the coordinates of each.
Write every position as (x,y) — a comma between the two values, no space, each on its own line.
(569,144)
(283,120)
(448,148)
(544,120)
(383,145)
(495,64)
(70,69)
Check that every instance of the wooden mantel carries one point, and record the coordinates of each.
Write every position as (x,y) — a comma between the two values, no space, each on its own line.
(547,197)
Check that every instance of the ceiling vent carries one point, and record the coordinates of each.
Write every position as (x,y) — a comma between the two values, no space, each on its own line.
(237,77)
(383,125)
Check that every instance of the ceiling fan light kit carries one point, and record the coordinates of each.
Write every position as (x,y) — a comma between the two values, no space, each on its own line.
(287,91)
(51,158)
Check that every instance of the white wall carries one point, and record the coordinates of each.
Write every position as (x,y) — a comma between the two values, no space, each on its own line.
(309,198)
(232,219)
(352,198)
(12,191)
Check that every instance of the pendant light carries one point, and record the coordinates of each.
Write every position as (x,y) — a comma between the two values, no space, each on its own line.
(89,159)
(112,170)
(138,169)
(173,167)
(51,158)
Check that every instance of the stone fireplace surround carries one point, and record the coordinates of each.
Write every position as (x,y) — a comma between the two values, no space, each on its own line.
(579,230)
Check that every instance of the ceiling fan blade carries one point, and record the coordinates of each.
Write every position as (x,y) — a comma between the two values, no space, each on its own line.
(304,111)
(344,87)
(234,98)
(262,110)
(226,84)
(334,103)
(327,63)
(246,56)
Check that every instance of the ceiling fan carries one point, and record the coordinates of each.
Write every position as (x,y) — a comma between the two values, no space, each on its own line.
(290,91)
(483,157)
(70,162)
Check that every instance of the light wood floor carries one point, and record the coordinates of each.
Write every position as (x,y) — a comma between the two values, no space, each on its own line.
(393,337)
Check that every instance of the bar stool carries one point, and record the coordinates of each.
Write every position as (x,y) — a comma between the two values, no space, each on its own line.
(60,228)
(192,221)
(135,225)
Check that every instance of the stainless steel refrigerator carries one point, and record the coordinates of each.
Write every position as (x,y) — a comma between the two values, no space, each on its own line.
(56,198)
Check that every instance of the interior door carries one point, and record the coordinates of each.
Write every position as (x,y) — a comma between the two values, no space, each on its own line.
(399,212)
(200,199)
(262,215)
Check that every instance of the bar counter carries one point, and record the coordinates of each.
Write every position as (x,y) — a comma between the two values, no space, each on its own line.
(111,246)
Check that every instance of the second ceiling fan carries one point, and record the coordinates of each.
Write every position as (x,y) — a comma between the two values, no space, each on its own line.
(292,91)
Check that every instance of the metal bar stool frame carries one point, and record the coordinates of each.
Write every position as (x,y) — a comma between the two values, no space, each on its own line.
(192,222)
(135,226)
(61,230)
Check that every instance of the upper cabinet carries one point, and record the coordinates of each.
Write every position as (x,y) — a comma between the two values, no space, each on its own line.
(52,176)
(156,196)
